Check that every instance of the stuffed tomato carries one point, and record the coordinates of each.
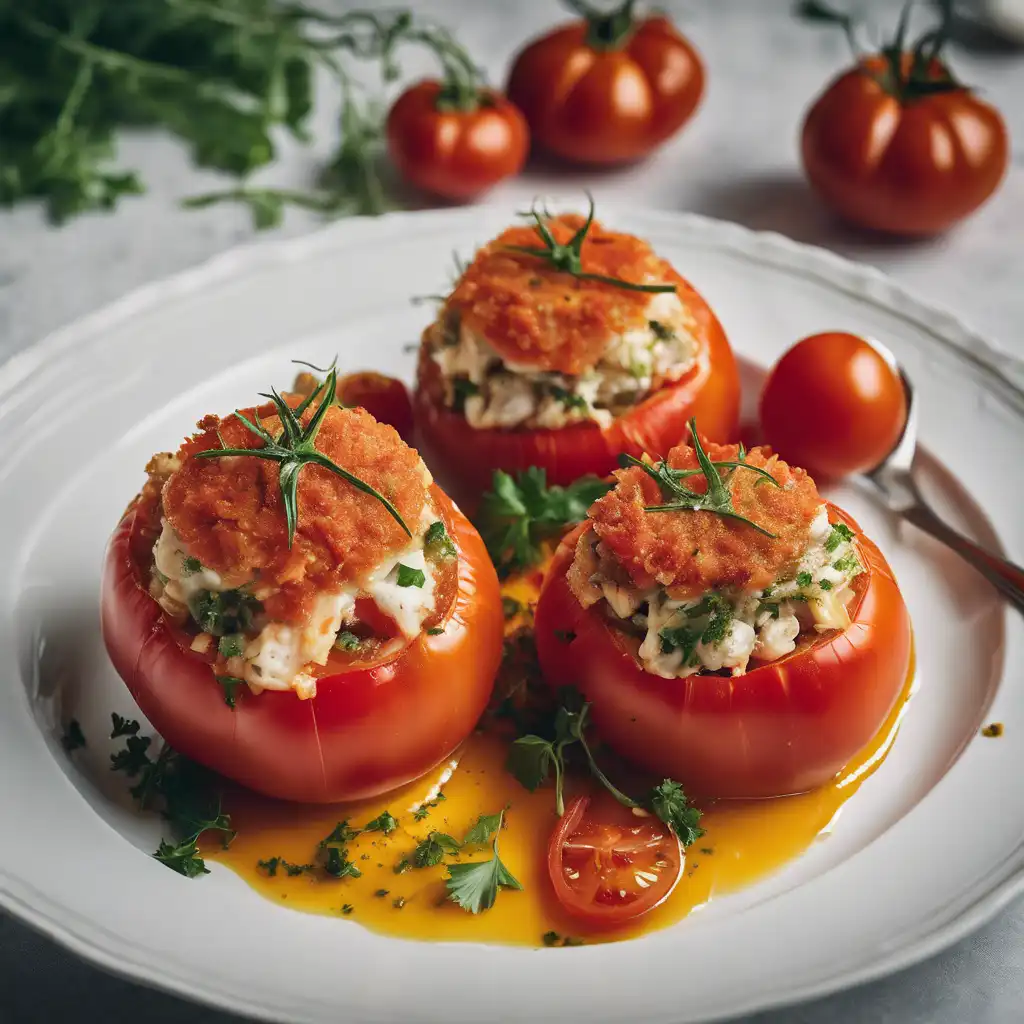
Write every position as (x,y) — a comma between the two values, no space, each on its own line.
(562,345)
(730,628)
(293,603)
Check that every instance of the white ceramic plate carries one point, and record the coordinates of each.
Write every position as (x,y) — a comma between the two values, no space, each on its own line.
(928,849)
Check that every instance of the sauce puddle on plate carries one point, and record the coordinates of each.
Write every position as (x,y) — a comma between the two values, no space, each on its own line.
(743,842)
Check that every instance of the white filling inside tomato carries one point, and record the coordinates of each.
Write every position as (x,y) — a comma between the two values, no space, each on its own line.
(724,631)
(273,655)
(492,392)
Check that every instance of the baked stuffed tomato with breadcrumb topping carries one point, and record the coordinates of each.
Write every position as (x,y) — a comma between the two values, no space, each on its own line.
(294,603)
(562,345)
(730,628)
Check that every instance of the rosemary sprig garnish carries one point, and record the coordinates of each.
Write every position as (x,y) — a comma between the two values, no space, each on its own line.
(568,258)
(717,498)
(295,447)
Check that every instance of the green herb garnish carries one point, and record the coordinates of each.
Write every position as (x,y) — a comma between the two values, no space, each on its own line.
(408,577)
(384,822)
(848,563)
(225,612)
(661,331)
(231,645)
(840,534)
(292,870)
(569,399)
(568,259)
(680,498)
(532,758)
(230,684)
(518,514)
(804,579)
(825,584)
(73,738)
(346,641)
(474,886)
(295,447)
(437,543)
(184,792)
(431,850)
(334,852)
(463,388)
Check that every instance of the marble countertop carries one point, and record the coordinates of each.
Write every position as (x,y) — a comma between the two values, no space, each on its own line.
(737,161)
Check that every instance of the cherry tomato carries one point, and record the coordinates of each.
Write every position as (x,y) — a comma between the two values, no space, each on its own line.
(467,457)
(456,149)
(423,699)
(607,89)
(903,159)
(609,866)
(384,398)
(833,405)
(782,727)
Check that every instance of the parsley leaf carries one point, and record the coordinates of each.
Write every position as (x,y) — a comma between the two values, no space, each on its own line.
(530,759)
(122,726)
(840,534)
(825,584)
(384,822)
(848,563)
(346,641)
(292,870)
(519,513)
(73,738)
(569,399)
(182,857)
(230,611)
(485,827)
(804,579)
(431,850)
(230,684)
(408,577)
(437,543)
(669,803)
(231,645)
(190,566)
(474,886)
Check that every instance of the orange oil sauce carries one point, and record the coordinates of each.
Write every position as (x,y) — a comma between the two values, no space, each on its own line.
(743,842)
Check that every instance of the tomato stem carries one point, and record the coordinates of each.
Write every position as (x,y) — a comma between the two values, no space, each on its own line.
(606,30)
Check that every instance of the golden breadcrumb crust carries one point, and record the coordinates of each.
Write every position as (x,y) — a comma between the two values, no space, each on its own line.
(534,315)
(691,552)
(230,515)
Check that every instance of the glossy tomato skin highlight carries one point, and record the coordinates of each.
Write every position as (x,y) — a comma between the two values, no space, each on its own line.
(607,104)
(453,153)
(365,732)
(834,405)
(783,727)
(467,457)
(910,168)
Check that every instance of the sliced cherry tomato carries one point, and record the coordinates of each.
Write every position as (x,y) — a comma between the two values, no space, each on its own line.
(608,865)
(466,457)
(424,699)
(897,144)
(453,147)
(833,405)
(607,89)
(782,727)
(384,398)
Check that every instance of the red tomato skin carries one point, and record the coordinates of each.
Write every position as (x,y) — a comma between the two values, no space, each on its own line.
(607,106)
(386,399)
(710,391)
(364,733)
(452,153)
(838,382)
(911,169)
(784,727)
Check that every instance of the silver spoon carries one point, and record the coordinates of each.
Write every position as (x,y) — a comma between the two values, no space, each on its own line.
(894,478)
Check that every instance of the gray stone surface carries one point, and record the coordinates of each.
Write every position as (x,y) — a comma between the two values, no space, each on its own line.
(737,161)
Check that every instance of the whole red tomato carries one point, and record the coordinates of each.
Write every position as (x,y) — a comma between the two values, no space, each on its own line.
(370,727)
(783,727)
(468,457)
(386,399)
(897,144)
(848,391)
(455,143)
(609,88)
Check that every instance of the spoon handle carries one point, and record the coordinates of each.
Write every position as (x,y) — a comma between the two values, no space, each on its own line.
(1006,576)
